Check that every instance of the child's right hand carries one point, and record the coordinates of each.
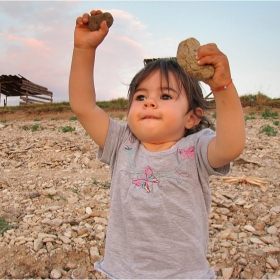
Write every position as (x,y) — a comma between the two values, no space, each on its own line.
(83,37)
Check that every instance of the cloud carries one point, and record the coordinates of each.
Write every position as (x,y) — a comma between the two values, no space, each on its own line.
(30,43)
(40,48)
(123,16)
(117,60)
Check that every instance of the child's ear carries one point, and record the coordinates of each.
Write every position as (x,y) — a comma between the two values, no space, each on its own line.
(192,119)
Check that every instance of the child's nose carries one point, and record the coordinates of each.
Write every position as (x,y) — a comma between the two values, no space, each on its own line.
(150,102)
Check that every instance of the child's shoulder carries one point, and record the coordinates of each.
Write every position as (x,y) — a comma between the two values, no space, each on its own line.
(198,140)
(120,130)
(118,125)
(206,132)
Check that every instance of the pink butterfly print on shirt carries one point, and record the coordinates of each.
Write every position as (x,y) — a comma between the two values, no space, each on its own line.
(187,153)
(144,182)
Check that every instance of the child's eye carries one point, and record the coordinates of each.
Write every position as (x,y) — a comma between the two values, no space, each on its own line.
(166,97)
(140,98)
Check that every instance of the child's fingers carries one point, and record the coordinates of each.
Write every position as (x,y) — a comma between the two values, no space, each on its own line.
(208,49)
(104,27)
(85,18)
(80,21)
(95,12)
(210,54)
(213,59)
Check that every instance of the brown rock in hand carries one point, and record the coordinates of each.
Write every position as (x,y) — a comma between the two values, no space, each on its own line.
(186,59)
(95,21)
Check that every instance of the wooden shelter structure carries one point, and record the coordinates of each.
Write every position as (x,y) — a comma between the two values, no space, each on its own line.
(29,93)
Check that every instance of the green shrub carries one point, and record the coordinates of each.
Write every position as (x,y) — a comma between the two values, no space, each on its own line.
(249,118)
(4,226)
(106,184)
(34,127)
(67,128)
(268,114)
(268,130)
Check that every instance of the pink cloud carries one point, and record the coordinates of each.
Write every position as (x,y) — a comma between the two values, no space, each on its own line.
(41,51)
(30,42)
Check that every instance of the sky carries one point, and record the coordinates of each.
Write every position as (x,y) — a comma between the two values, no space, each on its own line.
(36,41)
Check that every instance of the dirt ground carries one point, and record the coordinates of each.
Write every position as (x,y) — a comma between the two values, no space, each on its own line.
(64,115)
(55,194)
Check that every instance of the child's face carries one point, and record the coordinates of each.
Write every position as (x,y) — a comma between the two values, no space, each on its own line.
(158,114)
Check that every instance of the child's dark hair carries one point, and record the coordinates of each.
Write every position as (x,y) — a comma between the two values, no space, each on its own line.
(190,84)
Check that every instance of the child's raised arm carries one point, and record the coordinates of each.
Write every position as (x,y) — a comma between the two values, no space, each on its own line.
(230,125)
(81,83)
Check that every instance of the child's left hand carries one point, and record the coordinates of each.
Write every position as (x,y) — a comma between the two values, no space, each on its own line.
(210,54)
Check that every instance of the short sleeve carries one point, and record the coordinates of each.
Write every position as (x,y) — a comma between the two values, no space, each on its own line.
(203,139)
(117,133)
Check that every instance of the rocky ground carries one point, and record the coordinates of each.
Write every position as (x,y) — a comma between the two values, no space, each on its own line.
(54,194)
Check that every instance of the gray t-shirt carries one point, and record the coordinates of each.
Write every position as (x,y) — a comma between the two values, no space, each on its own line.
(160,202)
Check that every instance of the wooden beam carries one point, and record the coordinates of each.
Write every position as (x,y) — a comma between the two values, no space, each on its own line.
(30,100)
(39,96)
(38,91)
(30,84)
(11,92)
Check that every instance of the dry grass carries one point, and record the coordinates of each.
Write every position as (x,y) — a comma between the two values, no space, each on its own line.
(260,101)
(115,104)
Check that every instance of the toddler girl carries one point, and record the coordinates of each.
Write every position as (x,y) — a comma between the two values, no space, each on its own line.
(160,160)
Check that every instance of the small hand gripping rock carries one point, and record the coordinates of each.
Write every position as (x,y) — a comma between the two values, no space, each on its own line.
(186,58)
(95,21)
